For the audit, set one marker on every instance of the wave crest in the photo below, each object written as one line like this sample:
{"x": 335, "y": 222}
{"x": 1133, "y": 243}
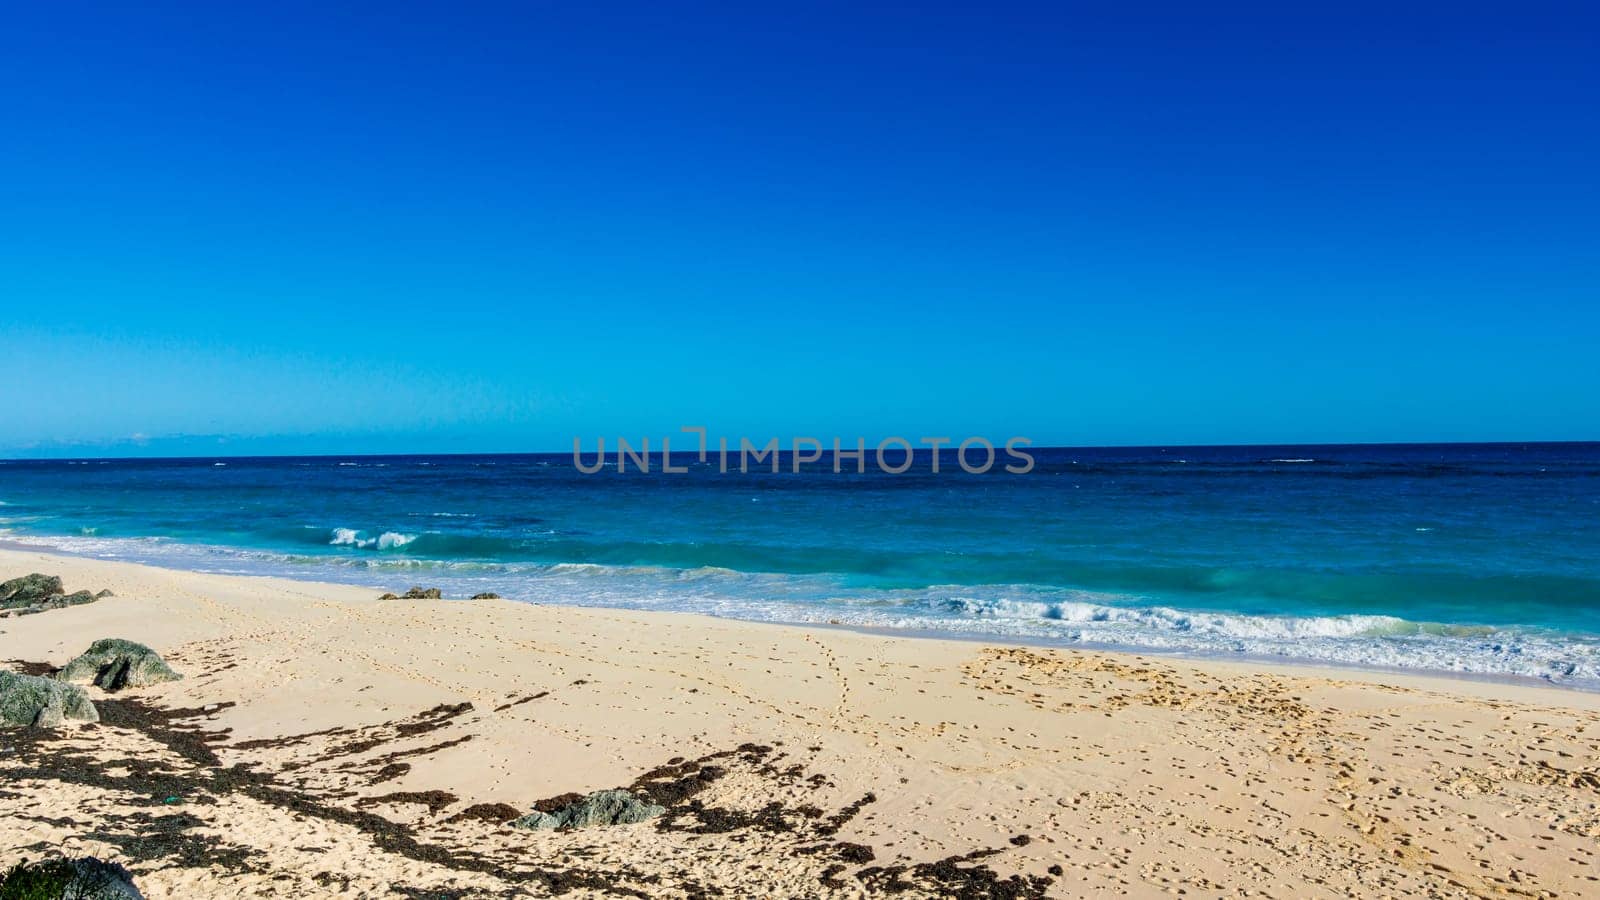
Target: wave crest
{"x": 350, "y": 537}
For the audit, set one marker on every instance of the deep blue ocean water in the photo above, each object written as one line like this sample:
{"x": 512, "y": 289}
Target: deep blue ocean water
{"x": 1464, "y": 558}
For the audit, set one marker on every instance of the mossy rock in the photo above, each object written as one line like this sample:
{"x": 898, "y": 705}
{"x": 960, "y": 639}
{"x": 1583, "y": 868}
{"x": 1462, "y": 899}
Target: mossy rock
{"x": 599, "y": 808}
{"x": 32, "y": 701}
{"x": 30, "y": 589}
{"x": 76, "y": 598}
{"x": 38, "y": 593}
{"x": 113, "y": 664}
{"x": 416, "y": 593}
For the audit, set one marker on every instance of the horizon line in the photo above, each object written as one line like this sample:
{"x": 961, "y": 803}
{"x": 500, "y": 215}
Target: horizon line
{"x": 919, "y": 451}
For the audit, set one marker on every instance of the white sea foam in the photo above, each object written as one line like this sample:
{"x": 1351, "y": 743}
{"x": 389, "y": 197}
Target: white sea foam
{"x": 392, "y": 539}
{"x": 1181, "y": 621}
{"x": 1024, "y": 612}
{"x": 350, "y": 537}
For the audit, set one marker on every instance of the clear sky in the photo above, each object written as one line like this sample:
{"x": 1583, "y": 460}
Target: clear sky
{"x": 279, "y": 227}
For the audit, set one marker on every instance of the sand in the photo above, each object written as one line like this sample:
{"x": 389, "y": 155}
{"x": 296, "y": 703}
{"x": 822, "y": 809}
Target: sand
{"x": 326, "y": 743}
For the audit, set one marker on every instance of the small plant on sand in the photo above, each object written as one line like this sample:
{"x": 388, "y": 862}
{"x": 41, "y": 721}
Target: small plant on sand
{"x": 55, "y": 879}
{"x": 38, "y": 881}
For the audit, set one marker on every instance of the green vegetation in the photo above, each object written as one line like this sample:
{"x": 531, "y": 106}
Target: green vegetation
{"x": 59, "y": 879}
{"x": 38, "y": 881}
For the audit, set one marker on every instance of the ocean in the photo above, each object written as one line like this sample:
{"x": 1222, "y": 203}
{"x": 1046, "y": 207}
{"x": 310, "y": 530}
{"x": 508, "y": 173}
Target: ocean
{"x": 1481, "y": 559}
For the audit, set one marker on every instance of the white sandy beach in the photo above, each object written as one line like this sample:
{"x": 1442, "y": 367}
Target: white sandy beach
{"x": 325, "y": 743}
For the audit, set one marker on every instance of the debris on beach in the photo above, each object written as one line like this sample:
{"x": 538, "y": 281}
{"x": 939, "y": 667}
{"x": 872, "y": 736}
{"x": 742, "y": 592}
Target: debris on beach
{"x": 613, "y": 807}
{"x": 38, "y": 593}
{"x": 34, "y": 701}
{"x": 113, "y": 664}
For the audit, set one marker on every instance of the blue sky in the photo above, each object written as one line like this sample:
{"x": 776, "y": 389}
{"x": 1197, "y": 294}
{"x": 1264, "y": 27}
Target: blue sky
{"x": 280, "y": 228}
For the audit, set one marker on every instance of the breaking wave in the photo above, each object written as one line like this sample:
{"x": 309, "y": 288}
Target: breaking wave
{"x": 350, "y": 537}
{"x": 1031, "y": 613}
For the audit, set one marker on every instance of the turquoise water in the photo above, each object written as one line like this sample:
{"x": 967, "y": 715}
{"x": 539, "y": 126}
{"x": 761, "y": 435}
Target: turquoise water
{"x": 1464, "y": 558}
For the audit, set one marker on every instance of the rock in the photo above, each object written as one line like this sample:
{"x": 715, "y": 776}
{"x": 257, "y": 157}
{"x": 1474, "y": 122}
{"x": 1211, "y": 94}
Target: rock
{"x": 487, "y": 595}
{"x": 57, "y": 602}
{"x": 80, "y": 879}
{"x": 114, "y": 664}
{"x": 30, "y": 589}
{"x": 416, "y": 593}
{"x": 101, "y": 880}
{"x": 30, "y": 700}
{"x": 598, "y": 808}
{"x": 38, "y": 593}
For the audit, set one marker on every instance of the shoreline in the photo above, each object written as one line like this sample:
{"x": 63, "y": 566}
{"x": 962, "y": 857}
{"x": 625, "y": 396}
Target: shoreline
{"x": 1327, "y": 667}
{"x": 385, "y": 745}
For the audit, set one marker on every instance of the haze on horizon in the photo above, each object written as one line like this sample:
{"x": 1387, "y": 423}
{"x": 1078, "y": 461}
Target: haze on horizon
{"x": 285, "y": 229}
